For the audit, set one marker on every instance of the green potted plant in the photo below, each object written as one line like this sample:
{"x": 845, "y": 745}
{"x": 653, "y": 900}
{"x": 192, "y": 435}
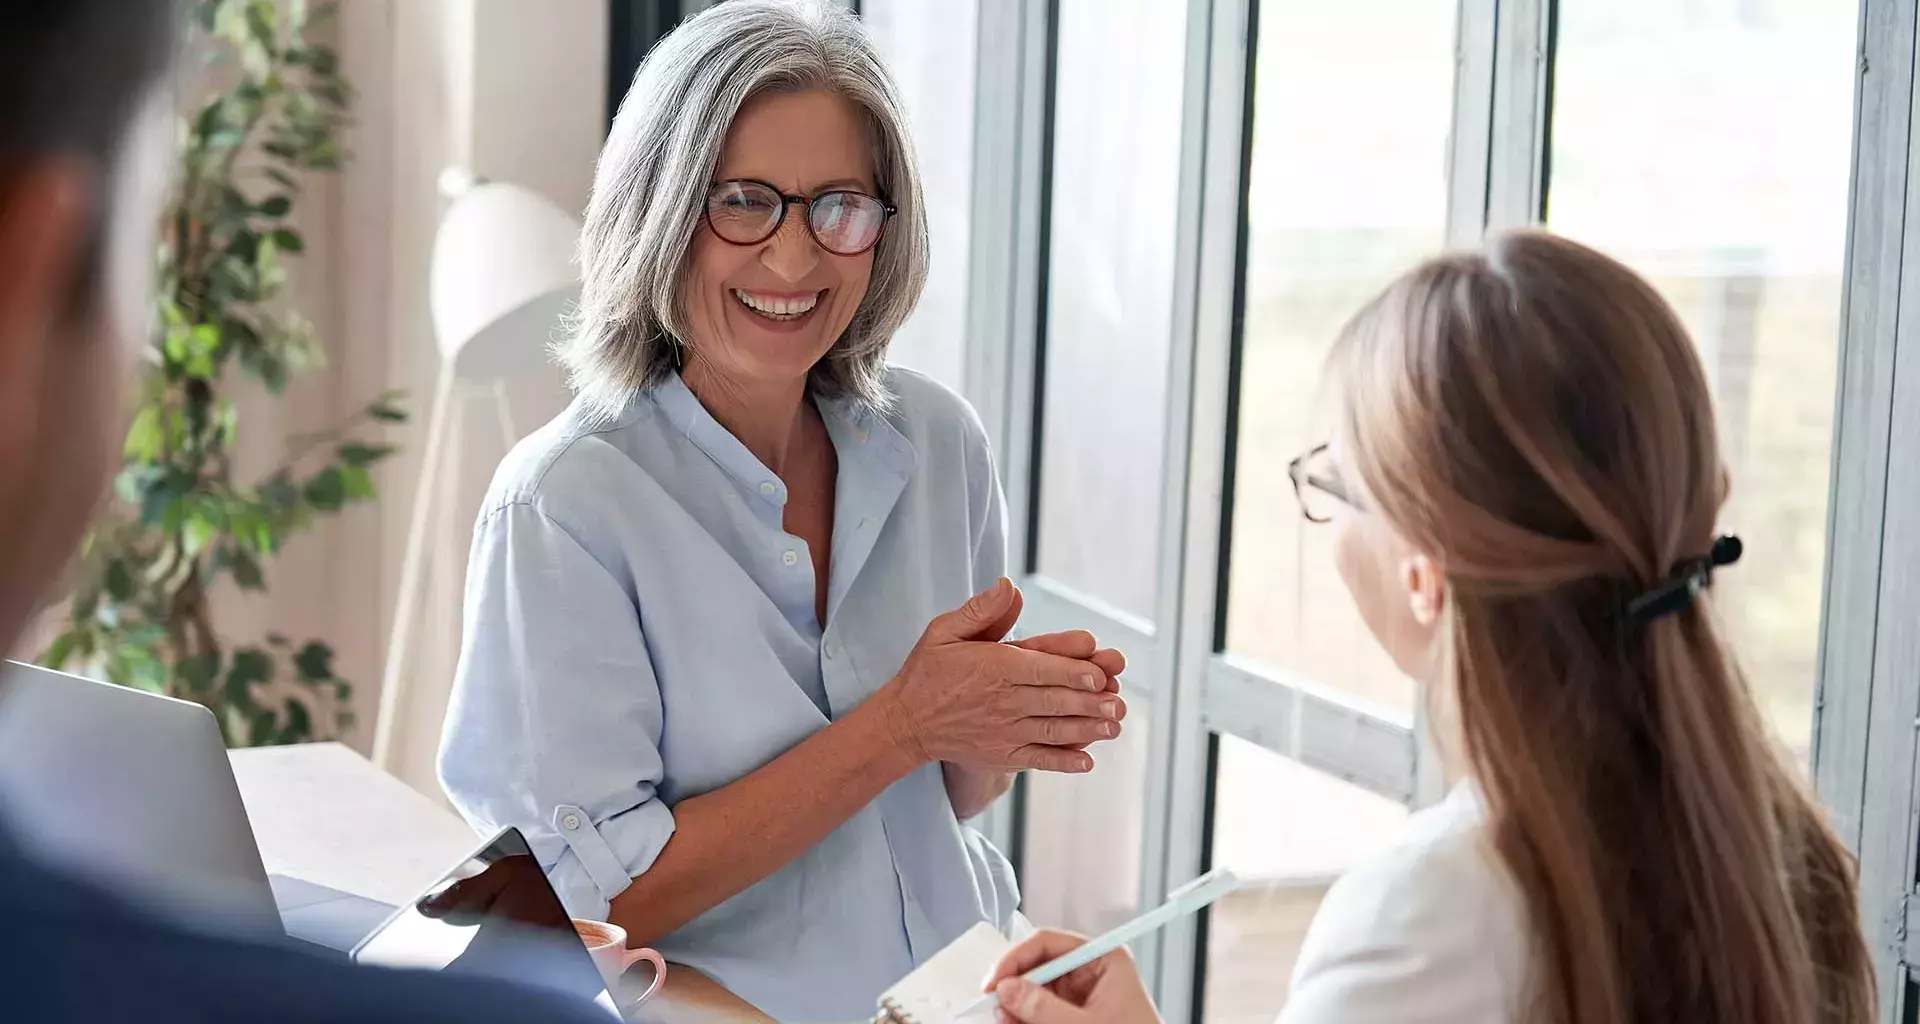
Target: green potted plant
{"x": 184, "y": 519}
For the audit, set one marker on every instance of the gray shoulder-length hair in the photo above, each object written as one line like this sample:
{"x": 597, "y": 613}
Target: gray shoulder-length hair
{"x": 650, "y": 190}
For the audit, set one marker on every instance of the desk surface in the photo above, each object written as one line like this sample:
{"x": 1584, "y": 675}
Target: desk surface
{"x": 322, "y": 813}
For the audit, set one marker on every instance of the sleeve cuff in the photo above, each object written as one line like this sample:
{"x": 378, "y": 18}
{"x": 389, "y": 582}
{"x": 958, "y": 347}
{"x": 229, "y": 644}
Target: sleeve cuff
{"x": 606, "y": 856}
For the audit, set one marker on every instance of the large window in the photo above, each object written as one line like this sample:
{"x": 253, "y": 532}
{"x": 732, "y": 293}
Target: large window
{"x": 1707, "y": 145}
{"x": 1346, "y": 188}
{"x": 1109, "y": 314}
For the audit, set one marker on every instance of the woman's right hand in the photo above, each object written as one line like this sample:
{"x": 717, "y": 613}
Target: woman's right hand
{"x": 1106, "y": 991}
{"x": 984, "y": 704}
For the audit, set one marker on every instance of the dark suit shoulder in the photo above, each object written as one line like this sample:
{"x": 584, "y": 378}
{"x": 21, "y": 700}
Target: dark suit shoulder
{"x": 70, "y": 951}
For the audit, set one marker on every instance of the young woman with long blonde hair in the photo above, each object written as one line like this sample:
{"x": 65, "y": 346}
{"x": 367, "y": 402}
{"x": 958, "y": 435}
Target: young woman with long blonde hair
{"x": 1523, "y": 484}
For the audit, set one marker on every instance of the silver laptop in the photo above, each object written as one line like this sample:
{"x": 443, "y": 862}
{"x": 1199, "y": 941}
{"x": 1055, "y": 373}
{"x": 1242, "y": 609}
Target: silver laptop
{"x": 135, "y": 790}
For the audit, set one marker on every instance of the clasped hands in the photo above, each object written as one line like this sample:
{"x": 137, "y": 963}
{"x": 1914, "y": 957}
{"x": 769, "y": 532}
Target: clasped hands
{"x": 968, "y": 697}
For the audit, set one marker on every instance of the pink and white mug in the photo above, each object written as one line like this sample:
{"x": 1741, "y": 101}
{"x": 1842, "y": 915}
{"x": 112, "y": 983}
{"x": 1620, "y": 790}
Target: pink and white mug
{"x": 608, "y": 945}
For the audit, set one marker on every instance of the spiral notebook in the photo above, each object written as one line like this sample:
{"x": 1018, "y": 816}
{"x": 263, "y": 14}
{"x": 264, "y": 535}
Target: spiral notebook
{"x": 949, "y": 982}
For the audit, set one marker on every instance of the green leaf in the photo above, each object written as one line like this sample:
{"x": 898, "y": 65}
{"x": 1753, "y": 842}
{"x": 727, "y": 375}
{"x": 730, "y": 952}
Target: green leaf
{"x": 144, "y": 436}
{"x": 211, "y": 120}
{"x": 324, "y": 156}
{"x": 315, "y": 662}
{"x": 276, "y": 206}
{"x": 251, "y": 667}
{"x": 144, "y": 637}
{"x": 174, "y": 345}
{"x": 198, "y": 673}
{"x": 260, "y": 22}
{"x": 289, "y": 240}
{"x": 199, "y": 533}
{"x": 261, "y": 730}
{"x": 146, "y": 675}
{"x": 160, "y": 496}
{"x": 357, "y": 483}
{"x": 327, "y": 491}
{"x": 202, "y": 345}
{"x": 129, "y": 482}
{"x": 286, "y": 181}
{"x": 334, "y": 92}
{"x": 272, "y": 373}
{"x": 61, "y": 649}
{"x": 277, "y": 639}
{"x": 244, "y": 245}
{"x": 246, "y": 570}
{"x": 119, "y": 580}
{"x": 227, "y": 421}
{"x": 364, "y": 454}
{"x": 256, "y": 58}
{"x": 387, "y": 412}
{"x": 322, "y": 60}
{"x": 299, "y": 723}
{"x": 343, "y": 691}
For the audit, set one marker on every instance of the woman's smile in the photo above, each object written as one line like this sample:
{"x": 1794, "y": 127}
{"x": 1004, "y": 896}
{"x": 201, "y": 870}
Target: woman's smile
{"x": 779, "y": 310}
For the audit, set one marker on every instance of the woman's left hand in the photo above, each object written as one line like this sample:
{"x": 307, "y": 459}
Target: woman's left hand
{"x": 1078, "y": 643}
{"x": 973, "y": 790}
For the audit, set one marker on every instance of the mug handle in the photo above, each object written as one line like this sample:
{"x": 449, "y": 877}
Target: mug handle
{"x": 634, "y": 956}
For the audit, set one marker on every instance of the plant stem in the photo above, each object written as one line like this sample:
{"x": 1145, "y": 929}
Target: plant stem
{"x": 306, "y": 444}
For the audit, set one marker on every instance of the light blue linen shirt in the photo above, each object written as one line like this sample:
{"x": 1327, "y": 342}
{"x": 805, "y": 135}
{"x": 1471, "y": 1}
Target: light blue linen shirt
{"x": 640, "y": 629}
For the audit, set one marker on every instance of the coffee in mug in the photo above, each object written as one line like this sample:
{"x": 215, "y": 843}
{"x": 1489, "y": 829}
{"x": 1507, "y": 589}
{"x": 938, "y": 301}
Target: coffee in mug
{"x": 608, "y": 945}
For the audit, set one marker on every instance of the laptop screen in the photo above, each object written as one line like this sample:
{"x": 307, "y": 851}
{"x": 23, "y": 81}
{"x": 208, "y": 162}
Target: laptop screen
{"x": 495, "y": 915}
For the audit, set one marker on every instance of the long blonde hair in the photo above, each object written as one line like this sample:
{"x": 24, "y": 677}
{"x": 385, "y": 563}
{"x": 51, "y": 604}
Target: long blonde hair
{"x": 1534, "y": 417}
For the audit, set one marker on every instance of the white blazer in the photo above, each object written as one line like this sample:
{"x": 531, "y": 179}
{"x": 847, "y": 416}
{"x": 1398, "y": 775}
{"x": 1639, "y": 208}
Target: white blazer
{"x": 1433, "y": 929}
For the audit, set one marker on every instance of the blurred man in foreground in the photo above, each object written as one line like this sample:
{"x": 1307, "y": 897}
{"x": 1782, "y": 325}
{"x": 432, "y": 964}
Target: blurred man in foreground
{"x": 85, "y": 131}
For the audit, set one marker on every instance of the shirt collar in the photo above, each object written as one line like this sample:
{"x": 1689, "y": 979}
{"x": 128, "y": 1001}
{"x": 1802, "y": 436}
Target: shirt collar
{"x": 862, "y": 440}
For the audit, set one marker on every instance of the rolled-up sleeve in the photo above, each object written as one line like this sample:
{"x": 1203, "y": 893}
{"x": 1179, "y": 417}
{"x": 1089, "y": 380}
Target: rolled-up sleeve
{"x": 555, "y": 719}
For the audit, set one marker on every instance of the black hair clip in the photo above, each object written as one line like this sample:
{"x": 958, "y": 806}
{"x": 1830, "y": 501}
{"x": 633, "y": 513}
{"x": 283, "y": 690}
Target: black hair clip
{"x": 1688, "y": 579}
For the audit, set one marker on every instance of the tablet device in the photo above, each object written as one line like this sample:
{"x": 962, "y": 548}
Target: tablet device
{"x": 492, "y": 914}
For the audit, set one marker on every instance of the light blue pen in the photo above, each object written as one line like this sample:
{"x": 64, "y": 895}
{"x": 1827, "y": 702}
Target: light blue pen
{"x": 1181, "y": 902}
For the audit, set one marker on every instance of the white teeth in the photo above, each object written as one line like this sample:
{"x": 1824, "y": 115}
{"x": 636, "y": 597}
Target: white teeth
{"x": 777, "y": 308}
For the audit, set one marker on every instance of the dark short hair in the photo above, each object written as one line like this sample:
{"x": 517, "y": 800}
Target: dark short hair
{"x": 72, "y": 74}
{"x": 73, "y": 71}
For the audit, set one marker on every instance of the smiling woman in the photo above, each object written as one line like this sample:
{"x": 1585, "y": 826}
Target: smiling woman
{"x": 710, "y": 668}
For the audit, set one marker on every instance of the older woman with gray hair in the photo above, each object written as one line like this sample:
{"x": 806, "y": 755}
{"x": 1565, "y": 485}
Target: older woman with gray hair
{"x": 733, "y": 656}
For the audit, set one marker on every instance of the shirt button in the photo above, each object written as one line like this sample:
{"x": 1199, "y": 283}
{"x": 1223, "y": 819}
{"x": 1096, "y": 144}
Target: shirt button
{"x": 769, "y": 488}
{"x": 790, "y": 557}
{"x": 570, "y": 822}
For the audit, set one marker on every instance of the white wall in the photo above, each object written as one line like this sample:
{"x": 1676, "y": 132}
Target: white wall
{"x": 513, "y": 90}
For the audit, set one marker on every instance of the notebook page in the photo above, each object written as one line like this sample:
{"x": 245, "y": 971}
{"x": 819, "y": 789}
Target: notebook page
{"x": 949, "y": 981}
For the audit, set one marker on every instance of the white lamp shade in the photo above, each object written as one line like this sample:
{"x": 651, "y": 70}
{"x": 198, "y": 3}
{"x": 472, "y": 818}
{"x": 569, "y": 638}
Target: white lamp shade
{"x": 503, "y": 275}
